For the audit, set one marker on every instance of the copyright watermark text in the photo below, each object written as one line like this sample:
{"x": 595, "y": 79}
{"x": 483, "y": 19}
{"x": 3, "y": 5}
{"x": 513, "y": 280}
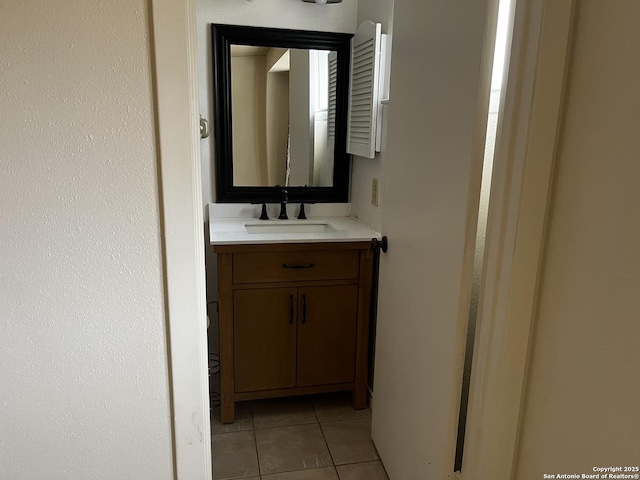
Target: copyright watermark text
{"x": 599, "y": 473}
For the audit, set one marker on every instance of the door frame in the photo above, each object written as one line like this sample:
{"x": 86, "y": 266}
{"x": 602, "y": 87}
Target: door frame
{"x": 531, "y": 111}
{"x": 523, "y": 169}
{"x": 173, "y": 60}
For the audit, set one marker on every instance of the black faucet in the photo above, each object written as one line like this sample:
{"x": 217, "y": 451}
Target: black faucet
{"x": 283, "y": 205}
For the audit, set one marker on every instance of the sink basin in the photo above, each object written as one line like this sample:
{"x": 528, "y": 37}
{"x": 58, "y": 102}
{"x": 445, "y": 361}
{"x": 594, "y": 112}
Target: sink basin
{"x": 285, "y": 227}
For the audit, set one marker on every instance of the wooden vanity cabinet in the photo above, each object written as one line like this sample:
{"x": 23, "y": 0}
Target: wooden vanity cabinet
{"x": 294, "y": 319}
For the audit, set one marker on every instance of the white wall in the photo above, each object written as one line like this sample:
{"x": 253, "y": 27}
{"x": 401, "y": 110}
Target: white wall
{"x": 582, "y": 397}
{"x": 83, "y": 383}
{"x": 300, "y": 119}
{"x": 428, "y": 214}
{"x": 249, "y": 95}
{"x": 364, "y": 170}
{"x": 293, "y": 14}
{"x": 277, "y": 125}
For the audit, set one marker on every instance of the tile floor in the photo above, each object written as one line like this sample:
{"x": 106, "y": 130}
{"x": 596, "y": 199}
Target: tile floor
{"x": 301, "y": 438}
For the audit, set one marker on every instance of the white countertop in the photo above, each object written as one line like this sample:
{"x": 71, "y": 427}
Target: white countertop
{"x": 232, "y": 230}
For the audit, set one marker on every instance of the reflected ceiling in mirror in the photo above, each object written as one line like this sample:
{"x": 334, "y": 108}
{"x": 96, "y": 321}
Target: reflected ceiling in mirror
{"x": 280, "y": 102}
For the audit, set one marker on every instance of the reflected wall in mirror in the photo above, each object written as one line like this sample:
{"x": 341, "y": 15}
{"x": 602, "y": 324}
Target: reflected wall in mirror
{"x": 281, "y": 103}
{"x": 280, "y": 114}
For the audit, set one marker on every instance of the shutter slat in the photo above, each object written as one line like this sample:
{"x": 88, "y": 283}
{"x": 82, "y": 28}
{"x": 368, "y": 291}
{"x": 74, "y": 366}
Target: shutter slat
{"x": 333, "y": 84}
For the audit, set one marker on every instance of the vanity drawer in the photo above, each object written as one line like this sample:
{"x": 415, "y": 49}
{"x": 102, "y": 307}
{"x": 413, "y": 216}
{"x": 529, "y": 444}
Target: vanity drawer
{"x": 262, "y": 267}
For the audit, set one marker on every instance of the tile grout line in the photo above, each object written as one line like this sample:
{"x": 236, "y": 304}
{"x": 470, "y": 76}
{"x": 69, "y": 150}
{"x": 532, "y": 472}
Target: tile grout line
{"x": 255, "y": 442}
{"x": 286, "y": 425}
{"x": 333, "y": 463}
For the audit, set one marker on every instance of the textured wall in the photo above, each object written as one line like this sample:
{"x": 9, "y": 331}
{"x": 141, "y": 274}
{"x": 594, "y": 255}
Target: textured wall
{"x": 583, "y": 394}
{"x": 83, "y": 376}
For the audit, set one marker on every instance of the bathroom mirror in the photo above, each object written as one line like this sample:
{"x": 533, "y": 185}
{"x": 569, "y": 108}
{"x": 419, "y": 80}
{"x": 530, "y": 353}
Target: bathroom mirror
{"x": 280, "y": 105}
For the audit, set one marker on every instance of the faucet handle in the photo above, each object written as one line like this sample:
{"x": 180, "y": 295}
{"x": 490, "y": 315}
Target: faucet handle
{"x": 301, "y": 215}
{"x": 263, "y": 214}
{"x": 283, "y": 206}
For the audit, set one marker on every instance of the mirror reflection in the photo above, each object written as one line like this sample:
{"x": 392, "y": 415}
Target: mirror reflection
{"x": 283, "y": 119}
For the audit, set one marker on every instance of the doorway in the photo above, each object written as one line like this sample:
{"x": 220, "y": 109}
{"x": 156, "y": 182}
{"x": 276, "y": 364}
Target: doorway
{"x": 176, "y": 97}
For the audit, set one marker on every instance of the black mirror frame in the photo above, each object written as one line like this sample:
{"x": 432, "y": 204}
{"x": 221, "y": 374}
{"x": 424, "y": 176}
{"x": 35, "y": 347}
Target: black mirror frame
{"x": 225, "y": 35}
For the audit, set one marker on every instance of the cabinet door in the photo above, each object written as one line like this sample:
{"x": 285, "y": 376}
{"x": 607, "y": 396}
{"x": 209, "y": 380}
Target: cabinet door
{"x": 327, "y": 321}
{"x": 264, "y": 339}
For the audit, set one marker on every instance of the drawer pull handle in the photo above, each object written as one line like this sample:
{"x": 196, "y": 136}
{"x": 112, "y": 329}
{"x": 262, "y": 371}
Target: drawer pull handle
{"x": 304, "y": 309}
{"x": 309, "y": 265}
{"x": 290, "y": 309}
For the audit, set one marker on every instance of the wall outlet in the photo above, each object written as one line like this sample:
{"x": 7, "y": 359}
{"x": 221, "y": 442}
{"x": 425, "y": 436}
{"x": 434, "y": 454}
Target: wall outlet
{"x": 374, "y": 192}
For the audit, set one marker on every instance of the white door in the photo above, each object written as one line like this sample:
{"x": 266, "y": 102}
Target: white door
{"x": 432, "y": 169}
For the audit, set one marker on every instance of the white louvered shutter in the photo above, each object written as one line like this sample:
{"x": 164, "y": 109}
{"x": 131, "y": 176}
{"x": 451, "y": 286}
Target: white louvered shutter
{"x": 364, "y": 90}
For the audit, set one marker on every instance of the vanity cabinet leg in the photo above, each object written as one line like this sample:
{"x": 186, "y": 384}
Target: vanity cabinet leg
{"x": 227, "y": 409}
{"x": 360, "y": 389}
{"x": 360, "y": 397}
